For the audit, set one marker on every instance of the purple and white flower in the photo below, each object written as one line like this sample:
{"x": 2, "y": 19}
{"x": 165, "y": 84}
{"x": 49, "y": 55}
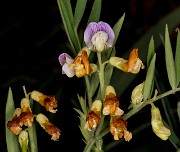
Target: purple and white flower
{"x": 99, "y": 36}
{"x": 65, "y": 60}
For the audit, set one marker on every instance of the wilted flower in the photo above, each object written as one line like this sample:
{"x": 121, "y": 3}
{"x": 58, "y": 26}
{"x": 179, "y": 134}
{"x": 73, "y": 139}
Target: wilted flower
{"x": 132, "y": 65}
{"x": 157, "y": 124}
{"x": 81, "y": 64}
{"x": 118, "y": 128}
{"x": 65, "y": 60}
{"x": 111, "y": 103}
{"x": 15, "y": 124}
{"x": 22, "y": 116}
{"x": 48, "y": 126}
{"x": 93, "y": 117}
{"x": 26, "y": 115}
{"x": 49, "y": 102}
{"x": 99, "y": 36}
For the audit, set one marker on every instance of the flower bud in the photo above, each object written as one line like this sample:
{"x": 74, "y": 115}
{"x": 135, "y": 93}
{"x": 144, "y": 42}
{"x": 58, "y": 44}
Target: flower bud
{"x": 97, "y": 104}
{"x": 137, "y": 95}
{"x": 157, "y": 125}
{"x": 23, "y": 138}
{"x": 110, "y": 92}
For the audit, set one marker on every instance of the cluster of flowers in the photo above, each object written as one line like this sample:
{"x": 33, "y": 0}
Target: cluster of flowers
{"x": 23, "y": 116}
{"x": 99, "y": 37}
{"x": 118, "y": 126}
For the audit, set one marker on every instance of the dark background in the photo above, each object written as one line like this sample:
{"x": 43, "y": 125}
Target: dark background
{"x": 31, "y": 39}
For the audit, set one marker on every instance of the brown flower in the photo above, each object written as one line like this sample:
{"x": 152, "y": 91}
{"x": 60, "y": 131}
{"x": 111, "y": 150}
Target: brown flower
{"x": 15, "y": 124}
{"x": 26, "y": 117}
{"x": 92, "y": 120}
{"x": 111, "y": 103}
{"x": 49, "y": 102}
{"x": 132, "y": 65}
{"x": 118, "y": 128}
{"x": 48, "y": 126}
{"x": 81, "y": 64}
{"x": 93, "y": 117}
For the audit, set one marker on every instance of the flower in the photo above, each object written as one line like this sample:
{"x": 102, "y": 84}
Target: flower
{"x": 118, "y": 128}
{"x": 15, "y": 124}
{"x": 99, "y": 36}
{"x": 157, "y": 124}
{"x": 48, "y": 126}
{"x": 49, "y": 102}
{"x": 26, "y": 115}
{"x": 132, "y": 65}
{"x": 93, "y": 117}
{"x": 81, "y": 65}
{"x": 22, "y": 116}
{"x": 111, "y": 103}
{"x": 65, "y": 60}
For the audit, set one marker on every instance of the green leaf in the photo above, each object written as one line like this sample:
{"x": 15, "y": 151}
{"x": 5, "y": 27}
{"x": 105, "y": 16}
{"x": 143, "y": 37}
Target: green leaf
{"x": 117, "y": 27}
{"x": 79, "y": 11}
{"x": 33, "y": 138}
{"x": 80, "y": 113}
{"x": 66, "y": 15}
{"x": 173, "y": 137}
{"x": 82, "y": 102}
{"x": 170, "y": 66}
{"x": 150, "y": 51}
{"x": 11, "y": 139}
{"x": 148, "y": 84}
{"x": 177, "y": 59}
{"x": 67, "y": 4}
{"x": 95, "y": 11}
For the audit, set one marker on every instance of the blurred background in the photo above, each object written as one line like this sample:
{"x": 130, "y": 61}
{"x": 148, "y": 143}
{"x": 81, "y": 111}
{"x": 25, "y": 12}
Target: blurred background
{"x": 31, "y": 38}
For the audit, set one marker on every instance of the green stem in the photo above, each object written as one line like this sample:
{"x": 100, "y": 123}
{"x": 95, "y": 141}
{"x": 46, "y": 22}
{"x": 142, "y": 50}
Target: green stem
{"x": 135, "y": 110}
{"x": 24, "y": 146}
{"x": 101, "y": 75}
{"x": 101, "y": 80}
{"x": 89, "y": 145}
{"x": 88, "y": 92}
